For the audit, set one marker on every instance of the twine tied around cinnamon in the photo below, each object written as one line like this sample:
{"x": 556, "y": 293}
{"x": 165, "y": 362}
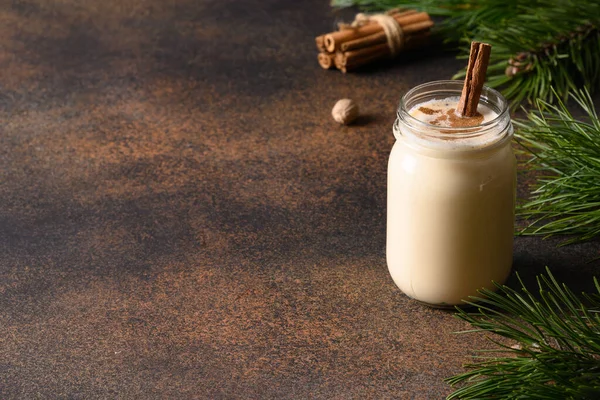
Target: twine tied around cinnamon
{"x": 392, "y": 29}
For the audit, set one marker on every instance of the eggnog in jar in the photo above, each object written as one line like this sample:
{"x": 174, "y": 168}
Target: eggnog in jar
{"x": 451, "y": 195}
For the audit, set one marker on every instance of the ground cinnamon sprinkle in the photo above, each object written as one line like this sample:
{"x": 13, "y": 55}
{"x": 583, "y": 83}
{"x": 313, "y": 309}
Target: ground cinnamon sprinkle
{"x": 457, "y": 121}
{"x": 429, "y": 111}
{"x": 442, "y": 113}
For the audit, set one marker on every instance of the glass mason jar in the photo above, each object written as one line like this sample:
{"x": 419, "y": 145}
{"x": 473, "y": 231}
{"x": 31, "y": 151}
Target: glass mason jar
{"x": 451, "y": 201}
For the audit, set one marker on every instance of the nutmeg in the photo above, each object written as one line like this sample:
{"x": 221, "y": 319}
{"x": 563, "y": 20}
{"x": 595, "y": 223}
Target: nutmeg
{"x": 345, "y": 111}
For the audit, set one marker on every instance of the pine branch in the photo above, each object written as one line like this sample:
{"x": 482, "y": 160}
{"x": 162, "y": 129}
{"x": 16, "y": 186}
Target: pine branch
{"x": 557, "y": 355}
{"x": 565, "y": 196}
{"x": 536, "y": 44}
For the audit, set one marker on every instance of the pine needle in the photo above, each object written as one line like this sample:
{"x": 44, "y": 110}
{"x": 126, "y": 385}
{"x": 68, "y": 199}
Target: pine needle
{"x": 557, "y": 350}
{"x": 566, "y": 198}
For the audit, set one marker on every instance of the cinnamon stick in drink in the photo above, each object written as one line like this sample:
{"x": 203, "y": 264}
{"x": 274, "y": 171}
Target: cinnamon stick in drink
{"x": 479, "y": 58}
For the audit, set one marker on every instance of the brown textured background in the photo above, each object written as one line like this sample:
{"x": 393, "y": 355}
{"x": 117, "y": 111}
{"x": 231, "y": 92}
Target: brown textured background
{"x": 181, "y": 218}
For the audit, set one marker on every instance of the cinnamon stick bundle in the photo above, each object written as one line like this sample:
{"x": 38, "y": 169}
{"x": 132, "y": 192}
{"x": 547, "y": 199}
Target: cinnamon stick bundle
{"x": 334, "y": 40}
{"x": 354, "y": 46}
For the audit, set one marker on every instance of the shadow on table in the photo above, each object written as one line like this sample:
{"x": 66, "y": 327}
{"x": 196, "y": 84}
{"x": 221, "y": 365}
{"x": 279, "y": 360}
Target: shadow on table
{"x": 574, "y": 265}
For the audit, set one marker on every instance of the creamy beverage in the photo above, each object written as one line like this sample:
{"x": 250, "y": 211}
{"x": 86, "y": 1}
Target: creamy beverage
{"x": 451, "y": 197}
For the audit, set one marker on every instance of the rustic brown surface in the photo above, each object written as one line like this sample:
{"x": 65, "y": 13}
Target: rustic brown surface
{"x": 181, "y": 218}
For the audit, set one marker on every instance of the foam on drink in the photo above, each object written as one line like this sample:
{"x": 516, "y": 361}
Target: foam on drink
{"x": 441, "y": 120}
{"x": 442, "y": 113}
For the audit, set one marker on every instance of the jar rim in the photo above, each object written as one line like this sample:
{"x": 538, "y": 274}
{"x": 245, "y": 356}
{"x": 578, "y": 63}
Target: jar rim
{"x": 453, "y": 87}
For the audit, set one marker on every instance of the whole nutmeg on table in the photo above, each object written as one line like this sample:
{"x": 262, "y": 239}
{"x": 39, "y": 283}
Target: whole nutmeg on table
{"x": 345, "y": 111}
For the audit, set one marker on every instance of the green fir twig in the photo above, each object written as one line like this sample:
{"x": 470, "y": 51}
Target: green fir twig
{"x": 565, "y": 153}
{"x": 536, "y": 44}
{"x": 556, "y": 350}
